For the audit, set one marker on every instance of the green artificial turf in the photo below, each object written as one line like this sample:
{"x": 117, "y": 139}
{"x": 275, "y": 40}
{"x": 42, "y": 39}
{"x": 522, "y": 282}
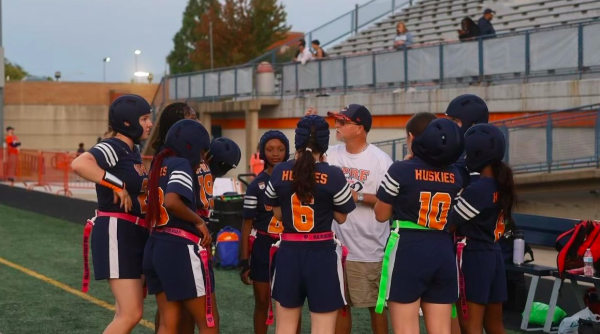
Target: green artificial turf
{"x": 52, "y": 247}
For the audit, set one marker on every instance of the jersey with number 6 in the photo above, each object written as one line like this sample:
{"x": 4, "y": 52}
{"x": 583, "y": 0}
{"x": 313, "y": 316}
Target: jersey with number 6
{"x": 176, "y": 177}
{"x": 478, "y": 216}
{"x": 420, "y": 193}
{"x": 255, "y": 208}
{"x": 331, "y": 193}
{"x": 204, "y": 195}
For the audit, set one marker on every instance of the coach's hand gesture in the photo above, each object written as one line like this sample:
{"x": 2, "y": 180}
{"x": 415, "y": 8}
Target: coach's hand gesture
{"x": 123, "y": 197}
{"x": 311, "y": 111}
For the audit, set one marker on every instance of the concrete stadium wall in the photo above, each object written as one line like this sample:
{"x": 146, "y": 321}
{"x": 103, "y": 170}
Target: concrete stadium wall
{"x": 60, "y": 115}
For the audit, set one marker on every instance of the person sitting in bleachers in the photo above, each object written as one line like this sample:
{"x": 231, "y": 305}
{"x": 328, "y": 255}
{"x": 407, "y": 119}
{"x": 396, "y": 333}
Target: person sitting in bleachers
{"x": 403, "y": 38}
{"x": 468, "y": 30}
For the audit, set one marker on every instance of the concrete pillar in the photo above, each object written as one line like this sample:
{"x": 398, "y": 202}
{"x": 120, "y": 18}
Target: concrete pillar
{"x": 251, "y": 133}
{"x": 205, "y": 119}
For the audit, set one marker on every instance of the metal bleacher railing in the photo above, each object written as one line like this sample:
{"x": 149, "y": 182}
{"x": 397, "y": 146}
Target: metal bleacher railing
{"x": 565, "y": 50}
{"x": 542, "y": 142}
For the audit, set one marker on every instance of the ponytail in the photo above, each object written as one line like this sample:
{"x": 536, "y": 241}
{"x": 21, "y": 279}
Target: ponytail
{"x": 303, "y": 172}
{"x": 506, "y": 192}
{"x": 153, "y": 209}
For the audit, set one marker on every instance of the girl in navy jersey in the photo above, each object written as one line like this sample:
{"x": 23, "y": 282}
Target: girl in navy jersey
{"x": 176, "y": 259}
{"x": 261, "y": 230}
{"x": 419, "y": 268}
{"x": 173, "y": 113}
{"x": 115, "y": 165}
{"x": 480, "y": 217}
{"x": 307, "y": 194}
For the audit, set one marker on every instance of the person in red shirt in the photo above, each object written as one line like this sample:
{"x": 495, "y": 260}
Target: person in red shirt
{"x": 12, "y": 149}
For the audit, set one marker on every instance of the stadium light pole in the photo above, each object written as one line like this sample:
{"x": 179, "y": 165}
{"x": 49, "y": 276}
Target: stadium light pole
{"x": 104, "y": 61}
{"x": 135, "y": 57}
{"x": 211, "y": 45}
{"x": 2, "y": 76}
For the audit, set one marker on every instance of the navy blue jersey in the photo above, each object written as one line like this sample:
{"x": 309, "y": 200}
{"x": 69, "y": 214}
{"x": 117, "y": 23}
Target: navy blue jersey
{"x": 477, "y": 214}
{"x": 114, "y": 156}
{"x": 204, "y": 195}
{"x": 176, "y": 177}
{"x": 331, "y": 193}
{"x": 420, "y": 193}
{"x": 255, "y": 208}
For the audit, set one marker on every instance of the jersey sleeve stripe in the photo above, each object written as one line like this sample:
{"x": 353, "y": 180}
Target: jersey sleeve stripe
{"x": 462, "y": 200}
{"x": 459, "y": 211}
{"x": 270, "y": 191}
{"x": 110, "y": 151}
{"x": 461, "y": 208}
{"x": 342, "y": 192}
{"x": 390, "y": 188}
{"x": 250, "y": 207}
{"x": 183, "y": 174}
{"x": 249, "y": 197}
{"x": 393, "y": 182}
{"x": 250, "y": 202}
{"x": 182, "y": 183}
{"x": 344, "y": 199}
{"x": 109, "y": 154}
{"x": 182, "y": 179}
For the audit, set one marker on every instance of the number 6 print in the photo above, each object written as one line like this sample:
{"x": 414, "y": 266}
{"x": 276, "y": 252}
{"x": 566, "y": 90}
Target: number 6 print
{"x": 303, "y": 215}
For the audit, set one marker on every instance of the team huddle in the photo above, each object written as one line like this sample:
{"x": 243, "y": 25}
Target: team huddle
{"x": 441, "y": 212}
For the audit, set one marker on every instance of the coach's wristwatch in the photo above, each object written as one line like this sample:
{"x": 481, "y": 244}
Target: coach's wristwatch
{"x": 360, "y": 198}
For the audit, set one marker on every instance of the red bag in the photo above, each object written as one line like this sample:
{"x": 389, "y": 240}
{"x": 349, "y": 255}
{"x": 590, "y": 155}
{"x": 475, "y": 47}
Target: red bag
{"x": 572, "y": 244}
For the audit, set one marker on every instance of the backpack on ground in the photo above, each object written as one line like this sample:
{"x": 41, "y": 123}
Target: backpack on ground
{"x": 228, "y": 247}
{"x": 572, "y": 244}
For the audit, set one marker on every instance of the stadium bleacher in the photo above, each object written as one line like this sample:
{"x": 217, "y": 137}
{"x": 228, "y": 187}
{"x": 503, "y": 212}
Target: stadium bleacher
{"x": 433, "y": 21}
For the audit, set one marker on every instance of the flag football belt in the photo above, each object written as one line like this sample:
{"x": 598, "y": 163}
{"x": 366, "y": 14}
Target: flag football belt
{"x": 390, "y": 249}
{"x": 460, "y": 246}
{"x": 210, "y": 320}
{"x": 302, "y": 237}
{"x": 85, "y": 284}
{"x": 254, "y": 234}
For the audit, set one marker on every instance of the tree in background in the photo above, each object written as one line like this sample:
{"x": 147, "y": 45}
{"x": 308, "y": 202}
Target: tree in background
{"x": 14, "y": 71}
{"x": 241, "y": 29}
{"x": 180, "y": 58}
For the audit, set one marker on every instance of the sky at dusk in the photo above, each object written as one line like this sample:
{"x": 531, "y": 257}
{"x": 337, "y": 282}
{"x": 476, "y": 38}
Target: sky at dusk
{"x": 73, "y": 36}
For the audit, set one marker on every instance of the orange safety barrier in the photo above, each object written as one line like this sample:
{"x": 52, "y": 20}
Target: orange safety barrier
{"x": 46, "y": 169}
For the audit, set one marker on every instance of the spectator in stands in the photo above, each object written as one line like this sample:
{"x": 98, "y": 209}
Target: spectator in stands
{"x": 468, "y": 30}
{"x": 304, "y": 54}
{"x": 12, "y": 150}
{"x": 80, "y": 150}
{"x": 319, "y": 52}
{"x": 486, "y": 29}
{"x": 403, "y": 38}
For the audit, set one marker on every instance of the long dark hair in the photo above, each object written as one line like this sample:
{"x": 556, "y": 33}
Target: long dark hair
{"x": 507, "y": 194}
{"x": 171, "y": 114}
{"x": 153, "y": 210}
{"x": 303, "y": 172}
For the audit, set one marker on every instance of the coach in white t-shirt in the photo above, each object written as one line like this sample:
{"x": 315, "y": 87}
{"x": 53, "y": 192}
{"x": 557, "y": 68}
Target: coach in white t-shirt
{"x": 364, "y": 166}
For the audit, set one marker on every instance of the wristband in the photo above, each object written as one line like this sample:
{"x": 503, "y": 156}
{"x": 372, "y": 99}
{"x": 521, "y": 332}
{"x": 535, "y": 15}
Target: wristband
{"x": 112, "y": 182}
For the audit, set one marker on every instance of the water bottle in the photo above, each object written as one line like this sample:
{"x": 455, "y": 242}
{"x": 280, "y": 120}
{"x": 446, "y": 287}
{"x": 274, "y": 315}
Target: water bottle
{"x": 519, "y": 248}
{"x": 588, "y": 264}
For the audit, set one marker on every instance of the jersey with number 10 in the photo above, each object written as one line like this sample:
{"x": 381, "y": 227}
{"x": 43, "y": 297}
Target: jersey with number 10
{"x": 331, "y": 193}
{"x": 420, "y": 193}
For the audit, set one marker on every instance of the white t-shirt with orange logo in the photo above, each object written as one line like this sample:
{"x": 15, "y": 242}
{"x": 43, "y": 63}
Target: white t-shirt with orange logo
{"x": 364, "y": 236}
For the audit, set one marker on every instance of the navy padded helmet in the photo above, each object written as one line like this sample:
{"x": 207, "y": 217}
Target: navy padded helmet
{"x": 469, "y": 109}
{"x": 441, "y": 144}
{"x": 128, "y": 109}
{"x": 224, "y": 155}
{"x": 188, "y": 138}
{"x": 273, "y": 134}
{"x": 484, "y": 144}
{"x": 303, "y": 129}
